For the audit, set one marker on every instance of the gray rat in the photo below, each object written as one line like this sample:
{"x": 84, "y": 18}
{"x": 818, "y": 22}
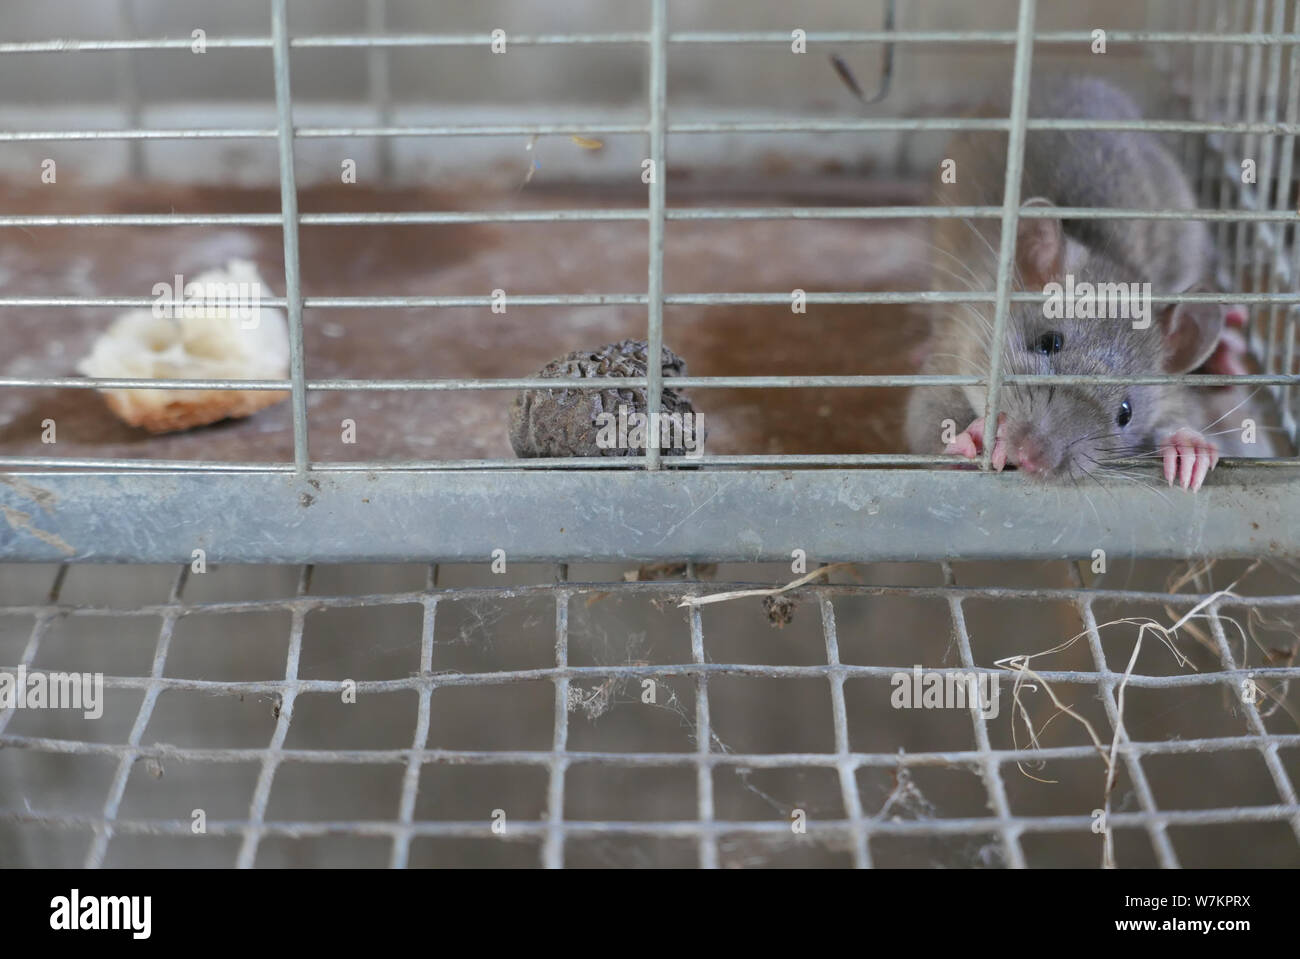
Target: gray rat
{"x": 1074, "y": 431}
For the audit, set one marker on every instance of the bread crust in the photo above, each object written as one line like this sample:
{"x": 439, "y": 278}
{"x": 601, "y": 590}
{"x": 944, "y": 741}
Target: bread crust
{"x": 210, "y": 338}
{"x": 174, "y": 410}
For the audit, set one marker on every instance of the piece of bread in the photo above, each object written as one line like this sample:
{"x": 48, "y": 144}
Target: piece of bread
{"x": 198, "y": 339}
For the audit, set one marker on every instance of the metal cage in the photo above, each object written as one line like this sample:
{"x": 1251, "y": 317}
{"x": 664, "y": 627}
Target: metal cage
{"x": 924, "y": 535}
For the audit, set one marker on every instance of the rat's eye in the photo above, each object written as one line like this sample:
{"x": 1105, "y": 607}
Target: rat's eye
{"x": 1050, "y": 342}
{"x": 1125, "y": 414}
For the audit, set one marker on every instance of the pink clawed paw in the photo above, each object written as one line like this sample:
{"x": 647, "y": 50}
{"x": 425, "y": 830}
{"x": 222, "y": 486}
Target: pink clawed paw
{"x": 1188, "y": 456}
{"x": 970, "y": 442}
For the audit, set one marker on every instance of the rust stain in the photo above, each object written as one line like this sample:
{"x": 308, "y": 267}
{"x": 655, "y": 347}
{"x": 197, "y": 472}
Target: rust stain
{"x": 42, "y": 497}
{"x": 22, "y": 522}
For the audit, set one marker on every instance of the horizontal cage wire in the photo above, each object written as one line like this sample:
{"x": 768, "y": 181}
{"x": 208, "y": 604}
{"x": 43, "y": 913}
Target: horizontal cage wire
{"x": 612, "y": 703}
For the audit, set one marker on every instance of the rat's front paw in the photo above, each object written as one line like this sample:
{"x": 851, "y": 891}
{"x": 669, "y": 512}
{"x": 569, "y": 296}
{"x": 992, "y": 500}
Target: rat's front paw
{"x": 970, "y": 442}
{"x": 1189, "y": 456}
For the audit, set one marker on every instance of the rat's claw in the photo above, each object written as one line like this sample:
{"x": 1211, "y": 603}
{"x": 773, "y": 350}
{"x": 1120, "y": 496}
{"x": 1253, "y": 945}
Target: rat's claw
{"x": 1202, "y": 467}
{"x": 970, "y": 442}
{"x": 999, "y": 459}
{"x": 1189, "y": 455}
{"x": 1236, "y": 315}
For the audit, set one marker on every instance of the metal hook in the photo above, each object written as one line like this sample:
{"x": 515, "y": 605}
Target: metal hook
{"x": 886, "y": 65}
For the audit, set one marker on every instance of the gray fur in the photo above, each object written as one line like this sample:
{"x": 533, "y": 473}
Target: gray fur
{"x": 1115, "y": 169}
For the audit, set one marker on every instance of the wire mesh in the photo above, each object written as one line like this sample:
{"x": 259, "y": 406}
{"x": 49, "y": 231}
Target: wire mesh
{"x": 708, "y": 781}
{"x": 141, "y": 762}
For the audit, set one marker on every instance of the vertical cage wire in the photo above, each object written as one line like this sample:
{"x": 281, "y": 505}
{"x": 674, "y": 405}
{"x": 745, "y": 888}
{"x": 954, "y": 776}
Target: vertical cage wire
{"x": 1285, "y": 200}
{"x": 379, "y": 75}
{"x": 990, "y": 770}
{"x": 411, "y": 778}
{"x": 658, "y": 93}
{"x": 1023, "y": 63}
{"x": 289, "y": 210}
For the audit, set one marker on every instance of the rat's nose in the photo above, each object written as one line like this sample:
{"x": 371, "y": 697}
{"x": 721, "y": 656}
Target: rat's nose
{"x": 1033, "y": 457}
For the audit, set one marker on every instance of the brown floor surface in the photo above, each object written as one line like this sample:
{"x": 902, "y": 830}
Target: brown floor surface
{"x": 473, "y": 260}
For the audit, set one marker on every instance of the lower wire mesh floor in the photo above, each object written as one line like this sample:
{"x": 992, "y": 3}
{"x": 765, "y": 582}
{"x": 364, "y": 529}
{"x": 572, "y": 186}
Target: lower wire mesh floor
{"x": 577, "y": 715}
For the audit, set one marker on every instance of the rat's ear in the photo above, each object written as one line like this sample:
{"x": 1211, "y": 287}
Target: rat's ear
{"x": 1191, "y": 332}
{"x": 1040, "y": 247}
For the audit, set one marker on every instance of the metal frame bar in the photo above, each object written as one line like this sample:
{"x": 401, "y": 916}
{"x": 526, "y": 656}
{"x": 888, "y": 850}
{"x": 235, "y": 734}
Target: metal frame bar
{"x": 746, "y": 515}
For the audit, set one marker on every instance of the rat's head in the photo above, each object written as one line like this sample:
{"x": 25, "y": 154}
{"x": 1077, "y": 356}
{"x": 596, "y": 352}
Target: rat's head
{"x": 1099, "y": 320}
